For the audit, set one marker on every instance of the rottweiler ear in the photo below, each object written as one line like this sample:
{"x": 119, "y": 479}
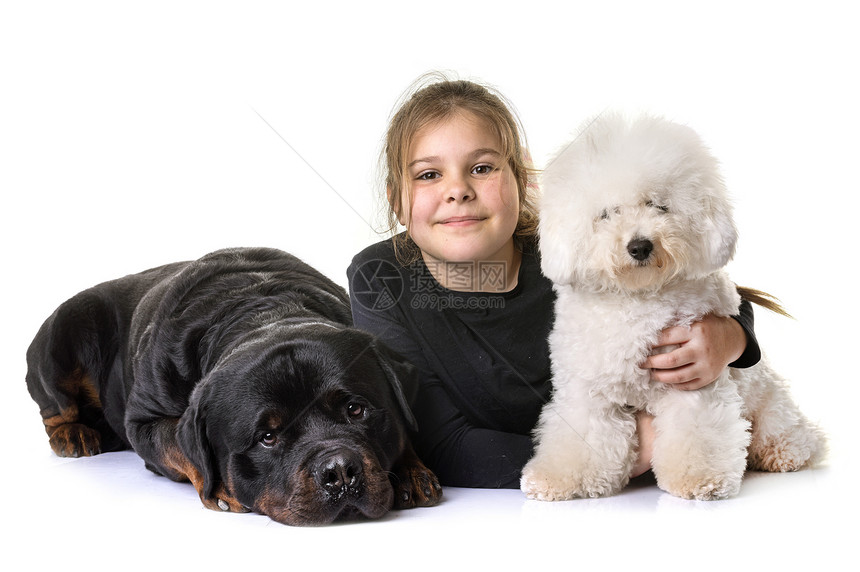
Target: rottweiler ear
{"x": 192, "y": 438}
{"x": 402, "y": 378}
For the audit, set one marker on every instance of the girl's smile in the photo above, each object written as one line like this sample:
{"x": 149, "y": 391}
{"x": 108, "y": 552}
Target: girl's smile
{"x": 462, "y": 220}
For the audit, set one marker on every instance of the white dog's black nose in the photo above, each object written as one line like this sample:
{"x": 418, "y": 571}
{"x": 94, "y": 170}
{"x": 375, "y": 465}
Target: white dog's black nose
{"x": 640, "y": 248}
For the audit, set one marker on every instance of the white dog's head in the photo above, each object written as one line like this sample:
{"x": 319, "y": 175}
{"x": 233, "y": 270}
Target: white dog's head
{"x": 631, "y": 204}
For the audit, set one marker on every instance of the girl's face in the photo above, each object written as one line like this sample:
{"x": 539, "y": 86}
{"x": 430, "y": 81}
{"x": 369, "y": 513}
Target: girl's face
{"x": 464, "y": 201}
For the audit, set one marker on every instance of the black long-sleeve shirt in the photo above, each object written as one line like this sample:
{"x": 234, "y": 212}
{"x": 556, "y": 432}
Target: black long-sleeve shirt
{"x": 483, "y": 359}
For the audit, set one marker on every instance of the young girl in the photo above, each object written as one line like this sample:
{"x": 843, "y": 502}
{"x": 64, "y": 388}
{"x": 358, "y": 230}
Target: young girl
{"x": 460, "y": 294}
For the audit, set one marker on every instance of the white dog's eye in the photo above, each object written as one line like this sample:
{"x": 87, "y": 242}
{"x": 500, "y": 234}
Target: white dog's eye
{"x": 661, "y": 208}
{"x": 604, "y": 214}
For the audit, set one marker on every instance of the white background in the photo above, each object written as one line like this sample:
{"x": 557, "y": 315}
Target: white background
{"x": 133, "y": 135}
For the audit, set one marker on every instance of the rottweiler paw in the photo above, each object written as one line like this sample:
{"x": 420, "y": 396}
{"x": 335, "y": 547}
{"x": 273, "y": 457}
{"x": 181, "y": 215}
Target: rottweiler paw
{"x": 415, "y": 485}
{"x": 223, "y": 501}
{"x": 75, "y": 440}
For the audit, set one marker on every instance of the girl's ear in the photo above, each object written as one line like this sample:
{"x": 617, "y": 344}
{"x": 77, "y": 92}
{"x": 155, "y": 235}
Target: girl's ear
{"x": 397, "y": 205}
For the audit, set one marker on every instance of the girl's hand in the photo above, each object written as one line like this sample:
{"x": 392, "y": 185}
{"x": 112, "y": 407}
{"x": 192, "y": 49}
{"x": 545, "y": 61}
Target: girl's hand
{"x": 706, "y": 348}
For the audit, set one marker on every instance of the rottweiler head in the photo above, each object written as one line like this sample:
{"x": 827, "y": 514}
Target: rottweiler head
{"x": 302, "y": 426}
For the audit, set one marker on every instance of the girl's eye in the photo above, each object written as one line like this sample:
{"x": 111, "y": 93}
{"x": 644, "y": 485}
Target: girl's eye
{"x": 483, "y": 169}
{"x": 427, "y": 176}
{"x": 354, "y": 410}
{"x": 268, "y": 440}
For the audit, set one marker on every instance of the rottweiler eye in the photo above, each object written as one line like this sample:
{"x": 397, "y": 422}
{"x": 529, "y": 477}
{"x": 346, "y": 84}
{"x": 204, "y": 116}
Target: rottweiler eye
{"x": 268, "y": 440}
{"x": 354, "y": 410}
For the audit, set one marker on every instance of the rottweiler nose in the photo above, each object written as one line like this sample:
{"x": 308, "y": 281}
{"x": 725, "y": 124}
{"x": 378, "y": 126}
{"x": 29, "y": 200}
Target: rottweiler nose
{"x": 340, "y": 473}
{"x": 640, "y": 248}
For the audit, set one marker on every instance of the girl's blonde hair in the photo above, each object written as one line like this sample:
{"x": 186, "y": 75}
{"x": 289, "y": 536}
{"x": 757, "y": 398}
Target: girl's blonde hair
{"x": 435, "y": 97}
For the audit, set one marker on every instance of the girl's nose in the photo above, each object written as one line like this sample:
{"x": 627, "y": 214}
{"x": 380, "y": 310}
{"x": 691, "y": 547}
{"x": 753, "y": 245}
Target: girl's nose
{"x": 459, "y": 190}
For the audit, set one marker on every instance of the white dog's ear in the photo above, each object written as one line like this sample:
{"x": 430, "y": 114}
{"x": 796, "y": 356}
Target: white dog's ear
{"x": 720, "y": 235}
{"x": 564, "y": 228}
{"x": 556, "y": 251}
{"x": 561, "y": 209}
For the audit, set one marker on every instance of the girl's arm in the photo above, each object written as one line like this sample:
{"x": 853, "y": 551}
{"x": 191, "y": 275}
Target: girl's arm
{"x": 706, "y": 348}
{"x": 459, "y": 453}
{"x": 463, "y": 455}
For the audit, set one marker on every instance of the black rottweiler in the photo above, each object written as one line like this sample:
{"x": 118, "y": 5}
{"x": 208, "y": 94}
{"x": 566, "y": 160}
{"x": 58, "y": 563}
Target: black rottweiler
{"x": 241, "y": 373}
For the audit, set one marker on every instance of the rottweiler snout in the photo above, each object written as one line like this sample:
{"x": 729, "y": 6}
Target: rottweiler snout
{"x": 340, "y": 473}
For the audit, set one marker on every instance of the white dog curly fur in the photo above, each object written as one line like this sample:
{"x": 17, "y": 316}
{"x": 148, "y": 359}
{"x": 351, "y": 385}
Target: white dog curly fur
{"x": 635, "y": 230}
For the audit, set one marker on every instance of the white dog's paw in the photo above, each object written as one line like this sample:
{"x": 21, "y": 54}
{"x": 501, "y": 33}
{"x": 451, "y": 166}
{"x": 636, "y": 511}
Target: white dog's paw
{"x": 799, "y": 447}
{"x": 542, "y": 486}
{"x": 554, "y": 485}
{"x": 701, "y": 485}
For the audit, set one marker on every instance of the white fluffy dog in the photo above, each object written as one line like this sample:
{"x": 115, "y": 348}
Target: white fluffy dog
{"x": 635, "y": 230}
